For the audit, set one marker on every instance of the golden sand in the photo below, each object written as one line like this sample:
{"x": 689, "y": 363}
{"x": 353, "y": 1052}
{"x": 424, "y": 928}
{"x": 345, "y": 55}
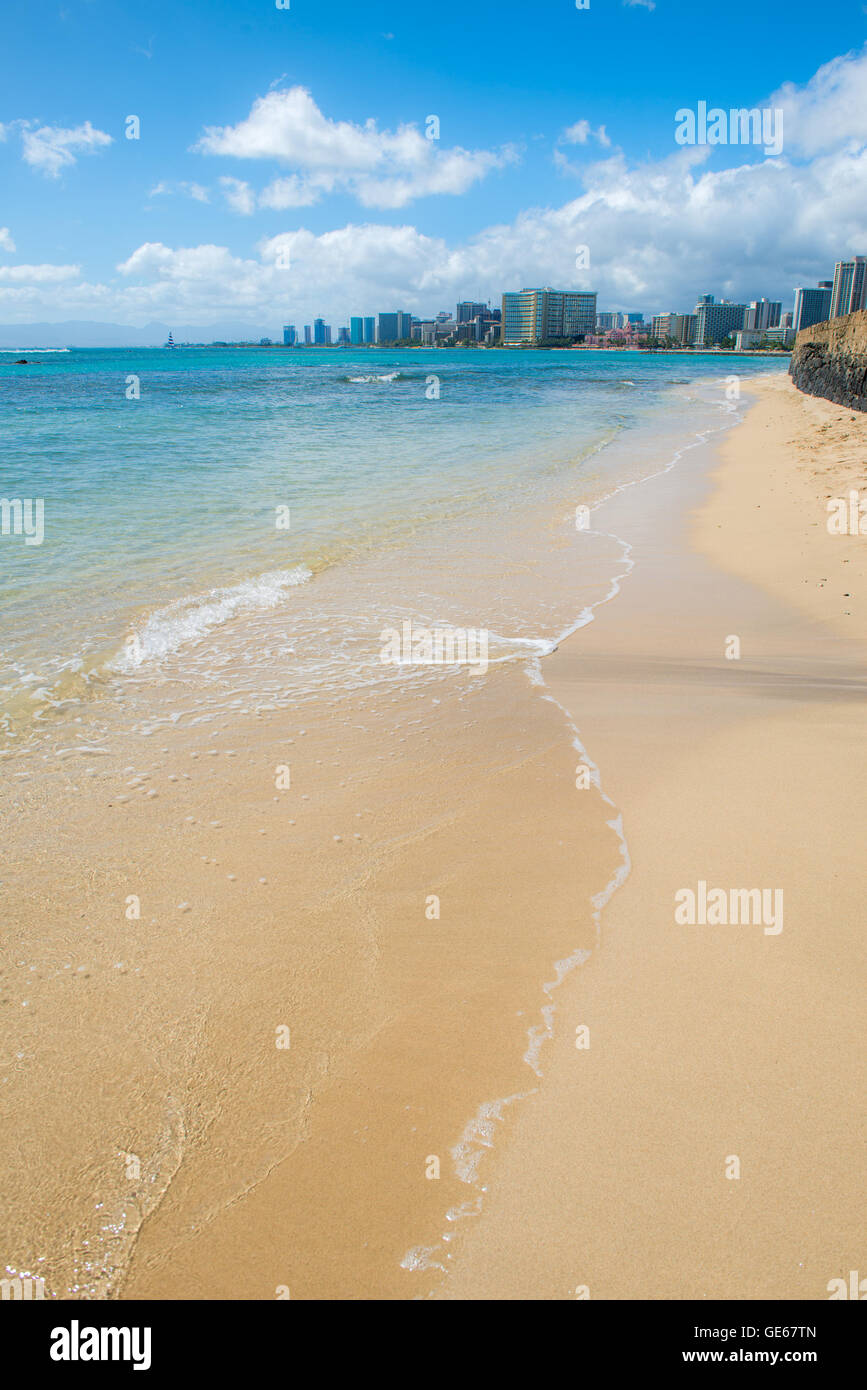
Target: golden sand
{"x": 395, "y": 914}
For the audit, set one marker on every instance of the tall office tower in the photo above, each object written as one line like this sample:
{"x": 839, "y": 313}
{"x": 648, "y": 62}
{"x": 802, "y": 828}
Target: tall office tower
{"x": 307, "y": 335}
{"x": 762, "y": 314}
{"x": 703, "y": 301}
{"x": 533, "y": 316}
{"x": 605, "y": 321}
{"x": 468, "y": 310}
{"x": 288, "y": 335}
{"x": 404, "y": 325}
{"x": 714, "y": 322}
{"x": 369, "y": 329}
{"x": 812, "y": 305}
{"x": 850, "y": 286}
{"x": 343, "y": 335}
{"x": 356, "y": 331}
{"x": 328, "y": 335}
{"x": 319, "y": 332}
{"x": 386, "y": 328}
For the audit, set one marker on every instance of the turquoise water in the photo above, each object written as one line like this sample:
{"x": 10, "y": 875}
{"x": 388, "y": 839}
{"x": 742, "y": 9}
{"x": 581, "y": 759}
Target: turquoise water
{"x": 163, "y": 475}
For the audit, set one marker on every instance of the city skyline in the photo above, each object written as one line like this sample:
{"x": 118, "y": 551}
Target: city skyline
{"x": 297, "y": 180}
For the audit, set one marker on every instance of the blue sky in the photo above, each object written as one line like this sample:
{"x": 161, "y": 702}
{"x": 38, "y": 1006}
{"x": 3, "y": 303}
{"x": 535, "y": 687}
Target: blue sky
{"x": 367, "y": 219}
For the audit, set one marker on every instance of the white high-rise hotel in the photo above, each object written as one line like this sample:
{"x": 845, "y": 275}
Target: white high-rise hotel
{"x": 850, "y": 286}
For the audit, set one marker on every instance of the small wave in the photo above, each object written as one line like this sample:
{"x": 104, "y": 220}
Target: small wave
{"x": 4, "y": 351}
{"x": 365, "y": 380}
{"x": 190, "y": 619}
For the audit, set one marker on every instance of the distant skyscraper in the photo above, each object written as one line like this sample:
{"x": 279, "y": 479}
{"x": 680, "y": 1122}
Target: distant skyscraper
{"x": 356, "y": 331}
{"x": 812, "y": 306}
{"x": 762, "y": 314}
{"x": 533, "y": 316}
{"x": 386, "y": 328}
{"x": 404, "y": 325}
{"x": 321, "y": 332}
{"x": 850, "y": 285}
{"x": 468, "y": 310}
{"x": 288, "y": 335}
{"x": 714, "y": 322}
{"x": 343, "y": 335}
{"x": 370, "y": 329}
{"x": 308, "y": 339}
{"x": 605, "y": 321}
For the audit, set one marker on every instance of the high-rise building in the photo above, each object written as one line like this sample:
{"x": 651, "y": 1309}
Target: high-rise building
{"x": 605, "y": 321}
{"x": 762, "y": 314}
{"x": 342, "y": 335}
{"x": 715, "y": 322}
{"x": 321, "y": 332}
{"x": 307, "y": 335}
{"x": 356, "y": 331}
{"x": 536, "y": 315}
{"x": 812, "y": 305}
{"x": 468, "y": 310}
{"x": 850, "y": 286}
{"x": 404, "y": 325}
{"x": 288, "y": 335}
{"x": 369, "y": 329}
{"x": 386, "y": 328}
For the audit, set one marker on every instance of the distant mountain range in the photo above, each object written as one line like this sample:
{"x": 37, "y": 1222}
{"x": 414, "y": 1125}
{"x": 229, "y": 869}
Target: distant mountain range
{"x": 86, "y": 333}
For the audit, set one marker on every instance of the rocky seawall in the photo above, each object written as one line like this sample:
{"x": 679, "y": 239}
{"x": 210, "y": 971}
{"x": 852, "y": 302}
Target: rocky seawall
{"x": 830, "y": 359}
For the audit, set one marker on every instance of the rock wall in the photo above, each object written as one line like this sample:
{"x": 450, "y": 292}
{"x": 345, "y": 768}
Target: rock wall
{"x": 830, "y": 359}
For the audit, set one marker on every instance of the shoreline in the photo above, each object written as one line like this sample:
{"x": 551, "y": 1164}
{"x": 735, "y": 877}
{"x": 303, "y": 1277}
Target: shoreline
{"x": 708, "y": 1049}
{"x": 309, "y": 1167}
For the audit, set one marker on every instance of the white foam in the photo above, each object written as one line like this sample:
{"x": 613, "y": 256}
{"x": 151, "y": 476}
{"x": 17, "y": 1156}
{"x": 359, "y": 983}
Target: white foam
{"x": 187, "y": 620}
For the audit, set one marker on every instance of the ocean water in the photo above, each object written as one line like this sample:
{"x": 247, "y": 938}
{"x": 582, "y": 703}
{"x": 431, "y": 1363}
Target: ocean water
{"x": 205, "y": 508}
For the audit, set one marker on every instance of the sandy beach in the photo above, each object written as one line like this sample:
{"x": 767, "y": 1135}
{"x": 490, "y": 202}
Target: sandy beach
{"x": 320, "y": 1042}
{"x": 711, "y": 1043}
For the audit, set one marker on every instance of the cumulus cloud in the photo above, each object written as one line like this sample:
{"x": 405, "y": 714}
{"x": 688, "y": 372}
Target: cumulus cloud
{"x": 386, "y": 169}
{"x": 52, "y": 148}
{"x": 39, "y": 274}
{"x": 659, "y": 232}
{"x": 830, "y": 111}
{"x": 238, "y": 194}
{"x": 6, "y": 242}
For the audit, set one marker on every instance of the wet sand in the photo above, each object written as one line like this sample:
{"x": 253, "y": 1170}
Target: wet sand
{"x": 711, "y": 1043}
{"x": 399, "y": 909}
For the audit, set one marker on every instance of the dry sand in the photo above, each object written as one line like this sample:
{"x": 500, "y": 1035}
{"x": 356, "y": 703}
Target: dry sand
{"x": 262, "y": 1169}
{"x": 711, "y": 1043}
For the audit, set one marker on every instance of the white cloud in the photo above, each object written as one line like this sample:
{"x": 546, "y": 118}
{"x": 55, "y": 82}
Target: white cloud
{"x": 194, "y": 190}
{"x": 830, "y": 111}
{"x": 52, "y": 148}
{"x": 643, "y": 4}
{"x": 6, "y": 242}
{"x": 380, "y": 168}
{"x": 39, "y": 274}
{"x": 660, "y": 233}
{"x": 238, "y": 194}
